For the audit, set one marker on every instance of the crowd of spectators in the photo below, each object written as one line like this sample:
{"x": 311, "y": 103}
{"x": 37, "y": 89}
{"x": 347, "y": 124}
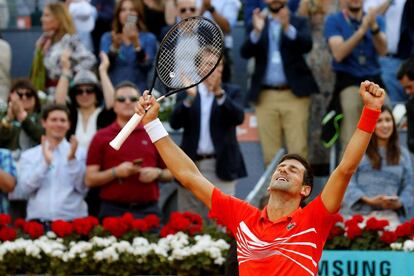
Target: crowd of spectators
{"x": 94, "y": 59}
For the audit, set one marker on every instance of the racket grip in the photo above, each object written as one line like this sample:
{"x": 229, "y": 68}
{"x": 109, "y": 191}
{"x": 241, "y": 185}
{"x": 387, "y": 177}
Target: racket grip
{"x": 117, "y": 142}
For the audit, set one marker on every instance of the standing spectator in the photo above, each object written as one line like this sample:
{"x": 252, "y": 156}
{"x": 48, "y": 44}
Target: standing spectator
{"x": 90, "y": 109}
{"x": 58, "y": 36}
{"x": 131, "y": 49}
{"x": 5, "y": 64}
{"x": 155, "y": 16}
{"x": 83, "y": 16}
{"x": 177, "y": 10}
{"x": 128, "y": 177}
{"x": 392, "y": 11}
{"x": 105, "y": 9}
{"x": 20, "y": 128}
{"x": 224, "y": 13}
{"x": 52, "y": 173}
{"x": 319, "y": 61}
{"x": 278, "y": 42}
{"x": 209, "y": 114}
{"x": 386, "y": 165}
{"x": 406, "y": 77}
{"x": 356, "y": 39}
{"x": 7, "y": 178}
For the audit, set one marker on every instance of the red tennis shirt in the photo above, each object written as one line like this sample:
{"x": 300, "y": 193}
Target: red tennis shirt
{"x": 292, "y": 245}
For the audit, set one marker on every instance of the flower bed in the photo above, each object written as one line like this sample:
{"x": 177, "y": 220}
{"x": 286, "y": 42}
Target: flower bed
{"x": 125, "y": 245}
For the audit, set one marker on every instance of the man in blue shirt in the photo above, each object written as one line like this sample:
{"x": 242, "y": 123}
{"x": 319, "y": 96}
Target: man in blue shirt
{"x": 356, "y": 39}
{"x": 282, "y": 81}
{"x": 52, "y": 174}
{"x": 7, "y": 178}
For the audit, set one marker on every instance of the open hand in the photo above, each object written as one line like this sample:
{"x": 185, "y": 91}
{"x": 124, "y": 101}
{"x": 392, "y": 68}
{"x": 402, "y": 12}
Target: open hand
{"x": 104, "y": 65}
{"x": 47, "y": 150}
{"x": 73, "y": 147}
{"x": 258, "y": 20}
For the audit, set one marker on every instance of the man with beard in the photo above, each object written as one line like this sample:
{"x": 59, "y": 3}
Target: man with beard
{"x": 356, "y": 39}
{"x": 281, "y": 239}
{"x": 282, "y": 81}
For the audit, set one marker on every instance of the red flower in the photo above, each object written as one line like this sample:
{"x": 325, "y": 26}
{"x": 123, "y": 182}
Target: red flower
{"x": 19, "y": 223}
{"x": 353, "y": 231}
{"x": 115, "y": 226}
{"x": 83, "y": 226}
{"x": 336, "y": 231}
{"x": 62, "y": 228}
{"x": 7, "y": 234}
{"x": 153, "y": 221}
{"x": 33, "y": 229}
{"x": 388, "y": 237}
{"x": 140, "y": 225}
{"x": 128, "y": 218}
{"x": 186, "y": 222}
{"x": 338, "y": 218}
{"x": 375, "y": 224}
{"x": 404, "y": 230}
{"x": 4, "y": 219}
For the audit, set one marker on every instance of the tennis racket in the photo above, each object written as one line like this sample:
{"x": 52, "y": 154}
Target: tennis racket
{"x": 187, "y": 55}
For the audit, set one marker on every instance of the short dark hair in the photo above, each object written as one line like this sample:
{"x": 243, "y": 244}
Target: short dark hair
{"x": 308, "y": 174}
{"x": 406, "y": 69}
{"x": 53, "y": 107}
{"x": 129, "y": 84}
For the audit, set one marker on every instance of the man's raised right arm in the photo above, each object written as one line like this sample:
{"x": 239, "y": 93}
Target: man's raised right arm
{"x": 179, "y": 164}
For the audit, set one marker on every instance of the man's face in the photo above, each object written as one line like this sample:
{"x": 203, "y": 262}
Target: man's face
{"x": 288, "y": 178}
{"x": 408, "y": 85}
{"x": 186, "y": 8}
{"x": 275, "y": 5}
{"x": 125, "y": 100}
{"x": 56, "y": 124}
{"x": 354, "y": 5}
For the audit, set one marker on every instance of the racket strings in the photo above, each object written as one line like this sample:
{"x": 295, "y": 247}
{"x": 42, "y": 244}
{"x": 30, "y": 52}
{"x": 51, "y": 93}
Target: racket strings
{"x": 189, "y": 53}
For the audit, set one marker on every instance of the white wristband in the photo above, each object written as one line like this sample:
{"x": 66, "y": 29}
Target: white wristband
{"x": 155, "y": 130}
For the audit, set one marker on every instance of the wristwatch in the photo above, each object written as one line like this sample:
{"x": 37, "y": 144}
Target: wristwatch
{"x": 212, "y": 9}
{"x": 376, "y": 31}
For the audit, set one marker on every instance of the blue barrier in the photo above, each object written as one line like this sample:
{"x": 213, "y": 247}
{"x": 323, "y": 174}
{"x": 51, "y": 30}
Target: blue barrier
{"x": 378, "y": 263}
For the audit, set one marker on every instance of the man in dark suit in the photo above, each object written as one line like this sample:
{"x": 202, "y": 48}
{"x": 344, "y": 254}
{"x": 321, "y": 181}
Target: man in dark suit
{"x": 282, "y": 81}
{"x": 209, "y": 114}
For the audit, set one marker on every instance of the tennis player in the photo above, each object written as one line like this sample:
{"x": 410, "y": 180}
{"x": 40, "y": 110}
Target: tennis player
{"x": 281, "y": 239}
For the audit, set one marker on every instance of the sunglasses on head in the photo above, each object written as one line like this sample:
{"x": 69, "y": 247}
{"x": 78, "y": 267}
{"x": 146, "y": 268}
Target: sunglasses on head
{"x": 27, "y": 94}
{"x": 122, "y": 99}
{"x": 88, "y": 90}
{"x": 190, "y": 9}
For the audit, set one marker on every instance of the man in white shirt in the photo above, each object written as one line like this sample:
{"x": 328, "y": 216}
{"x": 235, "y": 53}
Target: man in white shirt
{"x": 52, "y": 174}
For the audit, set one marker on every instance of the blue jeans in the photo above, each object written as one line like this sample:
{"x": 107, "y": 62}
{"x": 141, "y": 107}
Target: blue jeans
{"x": 395, "y": 91}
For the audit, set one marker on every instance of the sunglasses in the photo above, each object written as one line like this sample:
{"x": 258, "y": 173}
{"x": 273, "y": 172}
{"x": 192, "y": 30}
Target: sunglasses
{"x": 190, "y": 9}
{"x": 123, "y": 99}
{"x": 89, "y": 91}
{"x": 28, "y": 95}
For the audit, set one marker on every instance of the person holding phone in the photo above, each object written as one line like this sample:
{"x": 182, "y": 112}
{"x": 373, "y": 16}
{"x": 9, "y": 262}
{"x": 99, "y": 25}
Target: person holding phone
{"x": 131, "y": 49}
{"x": 383, "y": 185}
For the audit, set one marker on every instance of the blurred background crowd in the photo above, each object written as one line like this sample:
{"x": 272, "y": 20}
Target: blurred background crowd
{"x": 303, "y": 61}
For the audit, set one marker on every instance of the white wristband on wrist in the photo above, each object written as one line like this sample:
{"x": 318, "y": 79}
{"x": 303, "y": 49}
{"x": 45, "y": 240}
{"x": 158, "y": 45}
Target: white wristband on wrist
{"x": 155, "y": 130}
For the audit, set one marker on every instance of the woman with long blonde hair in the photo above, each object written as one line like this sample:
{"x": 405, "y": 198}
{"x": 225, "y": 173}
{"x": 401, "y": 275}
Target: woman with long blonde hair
{"x": 58, "y": 35}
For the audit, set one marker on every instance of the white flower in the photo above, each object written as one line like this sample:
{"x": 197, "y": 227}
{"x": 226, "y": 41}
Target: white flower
{"x": 408, "y": 245}
{"x": 396, "y": 246}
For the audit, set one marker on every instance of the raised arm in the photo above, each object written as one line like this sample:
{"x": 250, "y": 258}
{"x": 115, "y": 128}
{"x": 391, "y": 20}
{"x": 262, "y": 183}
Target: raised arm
{"x": 179, "y": 164}
{"x": 62, "y": 87}
{"x": 107, "y": 87}
{"x": 373, "y": 98}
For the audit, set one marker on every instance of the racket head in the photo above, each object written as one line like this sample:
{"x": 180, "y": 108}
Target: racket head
{"x": 189, "y": 53}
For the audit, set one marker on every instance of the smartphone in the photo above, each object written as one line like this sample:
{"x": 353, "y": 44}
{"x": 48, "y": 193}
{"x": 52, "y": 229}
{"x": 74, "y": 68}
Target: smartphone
{"x": 131, "y": 20}
{"x": 137, "y": 162}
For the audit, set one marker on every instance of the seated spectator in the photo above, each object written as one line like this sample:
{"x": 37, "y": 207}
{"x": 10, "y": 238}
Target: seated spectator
{"x": 5, "y": 63}
{"x": 58, "y": 36}
{"x": 90, "y": 109}
{"x": 128, "y": 177}
{"x": 52, "y": 174}
{"x": 7, "y": 178}
{"x": 131, "y": 49}
{"x": 383, "y": 185}
{"x": 20, "y": 128}
{"x": 406, "y": 77}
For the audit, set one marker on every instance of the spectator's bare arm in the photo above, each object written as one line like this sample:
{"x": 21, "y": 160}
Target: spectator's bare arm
{"x": 63, "y": 83}
{"x": 107, "y": 87}
{"x": 7, "y": 182}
